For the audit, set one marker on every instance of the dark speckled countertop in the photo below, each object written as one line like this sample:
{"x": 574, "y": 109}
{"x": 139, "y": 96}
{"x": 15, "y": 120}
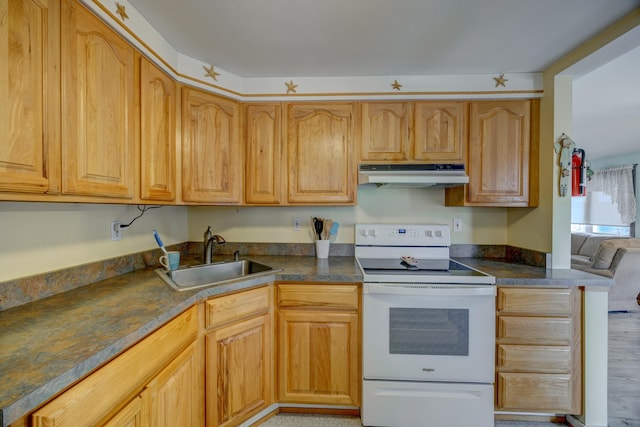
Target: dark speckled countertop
{"x": 49, "y": 344}
{"x": 524, "y": 275}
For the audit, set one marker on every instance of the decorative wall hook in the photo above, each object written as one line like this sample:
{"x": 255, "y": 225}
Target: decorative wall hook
{"x": 564, "y": 148}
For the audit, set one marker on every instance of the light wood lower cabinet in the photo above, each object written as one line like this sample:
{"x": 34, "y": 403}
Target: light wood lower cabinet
{"x": 318, "y": 344}
{"x": 158, "y": 382}
{"x": 539, "y": 350}
{"x": 238, "y": 356}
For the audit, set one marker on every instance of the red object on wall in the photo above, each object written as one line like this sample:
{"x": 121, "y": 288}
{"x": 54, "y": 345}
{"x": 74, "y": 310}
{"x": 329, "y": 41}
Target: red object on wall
{"x": 579, "y": 173}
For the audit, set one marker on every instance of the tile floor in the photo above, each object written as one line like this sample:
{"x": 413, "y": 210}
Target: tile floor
{"x": 624, "y": 384}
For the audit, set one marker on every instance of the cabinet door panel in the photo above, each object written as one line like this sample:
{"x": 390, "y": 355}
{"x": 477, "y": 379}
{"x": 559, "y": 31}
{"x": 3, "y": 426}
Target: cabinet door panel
{"x": 499, "y": 147}
{"x": 318, "y": 357}
{"x": 26, "y": 129}
{"x": 98, "y": 107}
{"x": 238, "y": 371}
{"x": 545, "y": 330}
{"x": 263, "y": 174}
{"x": 157, "y": 133}
{"x": 534, "y": 358}
{"x": 173, "y": 397}
{"x": 130, "y": 416}
{"x": 384, "y": 133}
{"x": 320, "y": 153}
{"x": 537, "y": 302}
{"x": 439, "y": 131}
{"x": 211, "y": 151}
{"x": 536, "y": 392}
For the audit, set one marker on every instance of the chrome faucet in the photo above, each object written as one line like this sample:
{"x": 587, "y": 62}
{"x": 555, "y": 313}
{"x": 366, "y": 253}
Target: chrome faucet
{"x": 209, "y": 240}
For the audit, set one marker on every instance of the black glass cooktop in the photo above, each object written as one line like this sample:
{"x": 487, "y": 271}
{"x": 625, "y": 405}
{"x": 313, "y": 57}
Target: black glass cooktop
{"x": 422, "y": 266}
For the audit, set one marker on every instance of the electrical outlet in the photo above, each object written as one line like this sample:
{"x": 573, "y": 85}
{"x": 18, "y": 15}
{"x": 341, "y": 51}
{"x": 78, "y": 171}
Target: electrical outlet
{"x": 457, "y": 225}
{"x": 297, "y": 224}
{"x": 116, "y": 231}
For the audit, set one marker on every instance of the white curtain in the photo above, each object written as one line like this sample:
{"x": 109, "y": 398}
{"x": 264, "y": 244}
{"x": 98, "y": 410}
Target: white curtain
{"x": 617, "y": 182}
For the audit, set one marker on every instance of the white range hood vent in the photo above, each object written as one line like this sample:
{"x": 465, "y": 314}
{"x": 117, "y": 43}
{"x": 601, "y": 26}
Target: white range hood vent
{"x": 413, "y": 175}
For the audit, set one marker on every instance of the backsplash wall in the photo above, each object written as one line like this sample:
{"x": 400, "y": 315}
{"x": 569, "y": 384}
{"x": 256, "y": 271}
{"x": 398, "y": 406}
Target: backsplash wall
{"x": 375, "y": 205}
{"x": 42, "y": 237}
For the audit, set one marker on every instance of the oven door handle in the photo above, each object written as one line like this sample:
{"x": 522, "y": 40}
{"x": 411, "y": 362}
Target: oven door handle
{"x": 428, "y": 290}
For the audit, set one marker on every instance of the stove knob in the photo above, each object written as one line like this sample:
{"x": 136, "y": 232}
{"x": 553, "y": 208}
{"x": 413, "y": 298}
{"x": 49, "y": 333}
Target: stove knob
{"x": 429, "y": 233}
{"x": 438, "y": 233}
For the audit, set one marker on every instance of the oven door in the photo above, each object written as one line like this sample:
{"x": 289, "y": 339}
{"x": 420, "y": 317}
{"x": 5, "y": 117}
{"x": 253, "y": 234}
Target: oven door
{"x": 429, "y": 332}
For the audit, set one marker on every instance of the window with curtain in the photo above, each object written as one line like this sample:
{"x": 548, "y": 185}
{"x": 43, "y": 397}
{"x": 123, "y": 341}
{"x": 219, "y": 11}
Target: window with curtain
{"x": 609, "y": 206}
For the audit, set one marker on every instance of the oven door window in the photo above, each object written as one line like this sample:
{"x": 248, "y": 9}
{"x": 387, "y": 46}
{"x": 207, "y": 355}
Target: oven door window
{"x": 429, "y": 331}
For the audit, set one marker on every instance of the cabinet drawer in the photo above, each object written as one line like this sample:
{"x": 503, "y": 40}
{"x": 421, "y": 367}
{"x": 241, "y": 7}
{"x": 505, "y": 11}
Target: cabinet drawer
{"x": 534, "y": 358}
{"x": 237, "y": 306}
{"x": 535, "y": 330}
{"x": 535, "y": 392}
{"x": 318, "y": 296}
{"x": 539, "y": 302}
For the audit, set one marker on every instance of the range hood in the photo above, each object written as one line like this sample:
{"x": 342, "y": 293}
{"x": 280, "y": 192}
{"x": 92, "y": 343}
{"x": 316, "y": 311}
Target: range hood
{"x": 413, "y": 175}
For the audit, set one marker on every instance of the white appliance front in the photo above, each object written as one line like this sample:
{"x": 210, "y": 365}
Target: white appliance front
{"x": 429, "y": 332}
{"x": 417, "y": 404}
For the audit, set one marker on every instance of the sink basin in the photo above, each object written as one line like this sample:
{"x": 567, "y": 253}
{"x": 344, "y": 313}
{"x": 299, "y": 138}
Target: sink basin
{"x": 201, "y": 276}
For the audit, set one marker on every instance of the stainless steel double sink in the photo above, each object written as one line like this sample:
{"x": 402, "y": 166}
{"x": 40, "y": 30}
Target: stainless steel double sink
{"x": 205, "y": 275}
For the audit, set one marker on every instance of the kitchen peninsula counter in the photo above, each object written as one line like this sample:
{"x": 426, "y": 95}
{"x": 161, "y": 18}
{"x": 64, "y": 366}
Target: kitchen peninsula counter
{"x": 507, "y": 273}
{"x": 49, "y": 344}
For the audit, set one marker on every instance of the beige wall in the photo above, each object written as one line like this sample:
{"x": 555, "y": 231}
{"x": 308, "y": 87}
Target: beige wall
{"x": 274, "y": 224}
{"x": 41, "y": 237}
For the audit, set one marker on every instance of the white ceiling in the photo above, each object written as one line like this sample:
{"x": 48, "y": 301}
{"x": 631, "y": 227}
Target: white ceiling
{"x": 606, "y": 108}
{"x": 344, "y": 38}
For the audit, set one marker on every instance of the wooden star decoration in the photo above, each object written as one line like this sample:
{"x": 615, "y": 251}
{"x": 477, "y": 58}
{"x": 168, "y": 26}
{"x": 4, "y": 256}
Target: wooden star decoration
{"x": 291, "y": 87}
{"x": 500, "y": 80}
{"x": 396, "y": 85}
{"x": 121, "y": 10}
{"x": 210, "y": 72}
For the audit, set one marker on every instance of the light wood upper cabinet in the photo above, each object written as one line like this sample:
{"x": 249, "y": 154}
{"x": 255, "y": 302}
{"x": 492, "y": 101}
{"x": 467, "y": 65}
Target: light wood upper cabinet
{"x": 439, "y": 131}
{"x": 29, "y": 116}
{"x": 157, "y": 133}
{"x": 413, "y": 132}
{"x": 320, "y": 153}
{"x": 266, "y": 164}
{"x": 502, "y": 155}
{"x": 211, "y": 148}
{"x": 98, "y": 134}
{"x": 318, "y": 344}
{"x": 385, "y": 131}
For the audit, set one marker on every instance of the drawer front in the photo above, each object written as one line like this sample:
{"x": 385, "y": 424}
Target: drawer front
{"x": 535, "y": 330}
{"x": 535, "y": 392}
{"x": 534, "y": 358}
{"x": 539, "y": 302}
{"x": 237, "y": 306}
{"x": 318, "y": 296}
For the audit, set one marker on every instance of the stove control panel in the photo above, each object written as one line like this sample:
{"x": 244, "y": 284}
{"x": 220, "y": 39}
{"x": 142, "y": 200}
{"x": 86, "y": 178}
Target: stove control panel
{"x": 403, "y": 235}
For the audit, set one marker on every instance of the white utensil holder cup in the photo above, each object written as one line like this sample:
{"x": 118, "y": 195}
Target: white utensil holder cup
{"x": 322, "y": 248}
